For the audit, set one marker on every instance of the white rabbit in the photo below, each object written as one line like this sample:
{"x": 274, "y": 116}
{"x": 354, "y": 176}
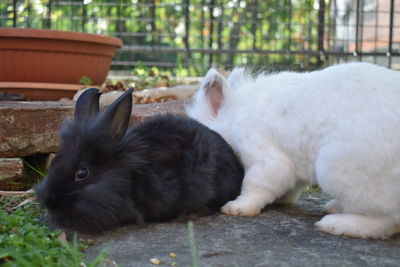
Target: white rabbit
{"x": 338, "y": 127}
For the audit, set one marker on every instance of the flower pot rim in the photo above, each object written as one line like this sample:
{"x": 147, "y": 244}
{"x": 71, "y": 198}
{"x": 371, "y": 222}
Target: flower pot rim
{"x": 59, "y": 35}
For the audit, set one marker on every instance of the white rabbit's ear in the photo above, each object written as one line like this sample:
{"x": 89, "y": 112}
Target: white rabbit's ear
{"x": 214, "y": 86}
{"x": 237, "y": 77}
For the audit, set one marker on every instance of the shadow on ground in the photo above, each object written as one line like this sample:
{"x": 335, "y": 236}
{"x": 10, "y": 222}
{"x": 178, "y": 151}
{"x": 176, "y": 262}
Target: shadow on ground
{"x": 280, "y": 236}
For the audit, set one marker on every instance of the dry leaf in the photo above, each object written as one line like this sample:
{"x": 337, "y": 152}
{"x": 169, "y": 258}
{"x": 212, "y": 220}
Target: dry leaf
{"x": 155, "y": 261}
{"x": 172, "y": 255}
{"x": 62, "y": 237}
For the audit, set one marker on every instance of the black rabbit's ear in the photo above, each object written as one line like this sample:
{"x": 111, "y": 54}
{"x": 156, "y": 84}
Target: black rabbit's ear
{"x": 116, "y": 117}
{"x": 87, "y": 105}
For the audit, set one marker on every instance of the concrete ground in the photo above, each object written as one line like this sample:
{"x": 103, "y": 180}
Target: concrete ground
{"x": 280, "y": 236}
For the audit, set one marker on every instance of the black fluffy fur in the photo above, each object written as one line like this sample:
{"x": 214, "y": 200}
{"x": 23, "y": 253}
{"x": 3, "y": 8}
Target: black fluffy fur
{"x": 162, "y": 168}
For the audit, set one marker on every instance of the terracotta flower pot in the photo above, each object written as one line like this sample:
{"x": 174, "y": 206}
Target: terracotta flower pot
{"x": 51, "y": 60}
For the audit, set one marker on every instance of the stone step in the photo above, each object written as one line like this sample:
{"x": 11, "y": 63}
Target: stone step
{"x": 11, "y": 168}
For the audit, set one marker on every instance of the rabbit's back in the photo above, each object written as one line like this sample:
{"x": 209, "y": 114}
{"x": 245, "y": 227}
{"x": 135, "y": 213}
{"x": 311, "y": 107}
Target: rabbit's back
{"x": 186, "y": 167}
{"x": 301, "y": 112}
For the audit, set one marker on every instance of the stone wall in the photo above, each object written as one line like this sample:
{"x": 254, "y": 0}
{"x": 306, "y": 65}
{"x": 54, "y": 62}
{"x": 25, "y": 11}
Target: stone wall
{"x": 31, "y": 128}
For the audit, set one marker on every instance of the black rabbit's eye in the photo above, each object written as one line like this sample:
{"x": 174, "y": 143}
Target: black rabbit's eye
{"x": 81, "y": 174}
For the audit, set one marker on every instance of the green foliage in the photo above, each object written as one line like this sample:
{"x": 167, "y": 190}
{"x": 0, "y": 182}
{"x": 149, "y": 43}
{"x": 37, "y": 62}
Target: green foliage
{"x": 141, "y": 74}
{"x": 151, "y": 77}
{"x": 280, "y": 25}
{"x": 25, "y": 241}
{"x": 85, "y": 80}
{"x": 312, "y": 189}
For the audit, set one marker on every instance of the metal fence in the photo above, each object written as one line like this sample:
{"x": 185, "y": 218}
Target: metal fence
{"x": 197, "y": 34}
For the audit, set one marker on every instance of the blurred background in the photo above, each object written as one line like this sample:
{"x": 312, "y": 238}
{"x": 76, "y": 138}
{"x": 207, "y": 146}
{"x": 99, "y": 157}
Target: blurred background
{"x": 191, "y": 35}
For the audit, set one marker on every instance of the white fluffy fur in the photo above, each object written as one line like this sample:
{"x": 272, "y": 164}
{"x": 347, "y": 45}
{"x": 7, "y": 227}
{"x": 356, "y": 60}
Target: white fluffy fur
{"x": 338, "y": 127}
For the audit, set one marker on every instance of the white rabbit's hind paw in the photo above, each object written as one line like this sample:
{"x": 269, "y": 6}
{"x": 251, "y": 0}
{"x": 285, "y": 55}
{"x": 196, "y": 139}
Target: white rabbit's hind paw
{"x": 241, "y": 207}
{"x": 359, "y": 226}
{"x": 332, "y": 207}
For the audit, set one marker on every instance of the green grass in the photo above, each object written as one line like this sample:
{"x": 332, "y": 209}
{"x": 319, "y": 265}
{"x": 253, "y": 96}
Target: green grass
{"x": 26, "y": 241}
{"x": 192, "y": 244}
{"x": 36, "y": 170}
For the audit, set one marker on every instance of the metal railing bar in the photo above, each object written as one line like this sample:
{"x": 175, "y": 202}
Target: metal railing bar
{"x": 390, "y": 48}
{"x": 146, "y": 49}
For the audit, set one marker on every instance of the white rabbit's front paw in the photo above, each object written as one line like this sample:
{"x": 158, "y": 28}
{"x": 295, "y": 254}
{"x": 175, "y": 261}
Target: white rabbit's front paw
{"x": 241, "y": 207}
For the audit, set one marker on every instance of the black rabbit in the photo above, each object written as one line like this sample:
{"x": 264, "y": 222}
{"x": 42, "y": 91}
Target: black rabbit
{"x": 106, "y": 174}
